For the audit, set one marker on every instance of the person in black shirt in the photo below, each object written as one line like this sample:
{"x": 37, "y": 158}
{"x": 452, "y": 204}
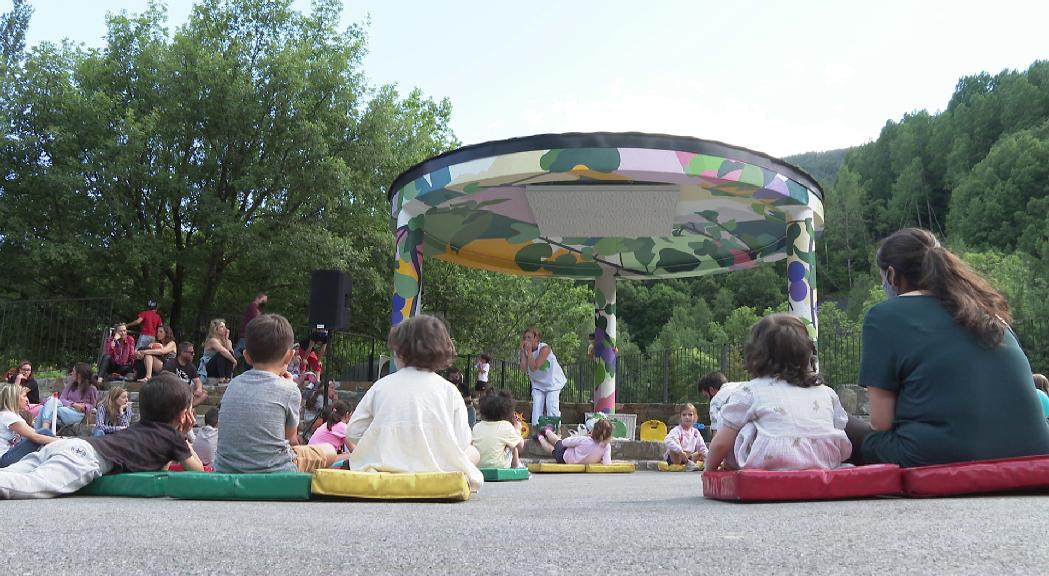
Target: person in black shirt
{"x": 23, "y": 376}
{"x": 65, "y": 466}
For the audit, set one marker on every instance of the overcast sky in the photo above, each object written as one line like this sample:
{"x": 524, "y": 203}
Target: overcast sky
{"x": 777, "y": 77}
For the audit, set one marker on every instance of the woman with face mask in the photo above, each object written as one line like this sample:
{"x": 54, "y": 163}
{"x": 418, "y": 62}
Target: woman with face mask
{"x": 945, "y": 375}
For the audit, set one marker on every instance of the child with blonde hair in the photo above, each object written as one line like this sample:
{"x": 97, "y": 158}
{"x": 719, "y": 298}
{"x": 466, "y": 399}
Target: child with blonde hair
{"x": 113, "y": 414}
{"x": 594, "y": 448}
{"x": 684, "y": 444}
{"x": 784, "y": 418}
{"x": 413, "y": 420}
{"x": 17, "y": 438}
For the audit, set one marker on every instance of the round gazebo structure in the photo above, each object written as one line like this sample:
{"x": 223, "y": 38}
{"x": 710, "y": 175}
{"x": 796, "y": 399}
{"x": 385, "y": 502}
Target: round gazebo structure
{"x": 604, "y": 206}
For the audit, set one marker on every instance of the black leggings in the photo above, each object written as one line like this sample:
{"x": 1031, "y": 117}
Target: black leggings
{"x": 219, "y": 367}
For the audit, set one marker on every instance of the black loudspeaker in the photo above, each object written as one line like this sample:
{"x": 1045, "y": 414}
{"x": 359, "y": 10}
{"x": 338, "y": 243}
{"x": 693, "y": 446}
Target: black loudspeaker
{"x": 329, "y": 299}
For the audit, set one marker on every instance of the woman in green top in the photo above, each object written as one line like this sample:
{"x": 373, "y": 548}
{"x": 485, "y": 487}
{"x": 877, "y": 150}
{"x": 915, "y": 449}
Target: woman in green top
{"x": 945, "y": 375}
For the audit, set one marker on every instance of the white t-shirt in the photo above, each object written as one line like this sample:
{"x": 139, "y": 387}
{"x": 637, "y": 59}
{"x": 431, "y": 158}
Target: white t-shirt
{"x": 411, "y": 421}
{"x": 482, "y": 372}
{"x": 8, "y": 437}
{"x": 495, "y": 442}
{"x": 718, "y": 401}
{"x": 786, "y": 427}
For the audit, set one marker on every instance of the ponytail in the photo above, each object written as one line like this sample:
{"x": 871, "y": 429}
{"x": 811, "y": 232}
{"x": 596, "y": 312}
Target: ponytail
{"x": 335, "y": 413}
{"x": 918, "y": 257}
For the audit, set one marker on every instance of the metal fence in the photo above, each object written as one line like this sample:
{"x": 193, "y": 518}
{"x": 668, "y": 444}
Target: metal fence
{"x": 53, "y": 333}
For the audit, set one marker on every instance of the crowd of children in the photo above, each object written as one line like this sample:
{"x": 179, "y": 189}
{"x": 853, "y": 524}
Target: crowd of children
{"x": 412, "y": 420}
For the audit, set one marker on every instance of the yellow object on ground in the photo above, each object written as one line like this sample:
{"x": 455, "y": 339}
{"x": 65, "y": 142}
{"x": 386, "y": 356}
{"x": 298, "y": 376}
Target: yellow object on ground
{"x": 450, "y": 486}
{"x": 653, "y": 431}
{"x": 613, "y": 468}
{"x": 553, "y": 468}
{"x": 664, "y": 467}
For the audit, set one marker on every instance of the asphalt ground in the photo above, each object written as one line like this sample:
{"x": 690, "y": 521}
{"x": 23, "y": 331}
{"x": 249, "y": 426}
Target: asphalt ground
{"x": 641, "y": 523}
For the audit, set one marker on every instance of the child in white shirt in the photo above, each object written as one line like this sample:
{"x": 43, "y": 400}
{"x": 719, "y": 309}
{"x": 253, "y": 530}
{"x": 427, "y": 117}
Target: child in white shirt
{"x": 684, "y": 444}
{"x": 413, "y": 420}
{"x": 784, "y": 418}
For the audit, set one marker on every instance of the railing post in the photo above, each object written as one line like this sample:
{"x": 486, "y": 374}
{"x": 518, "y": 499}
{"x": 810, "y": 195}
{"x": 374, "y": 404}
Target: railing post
{"x": 666, "y": 376}
{"x": 580, "y": 368}
{"x": 723, "y": 360}
{"x": 502, "y": 373}
{"x": 371, "y": 361}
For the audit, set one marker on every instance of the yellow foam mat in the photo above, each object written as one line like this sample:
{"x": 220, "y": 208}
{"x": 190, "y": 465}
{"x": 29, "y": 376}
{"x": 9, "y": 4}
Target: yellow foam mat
{"x": 613, "y": 468}
{"x": 451, "y": 486}
{"x": 664, "y": 467}
{"x": 552, "y": 468}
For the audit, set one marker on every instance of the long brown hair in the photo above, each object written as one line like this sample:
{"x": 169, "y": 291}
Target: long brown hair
{"x": 83, "y": 379}
{"x": 110, "y": 404}
{"x": 918, "y": 257}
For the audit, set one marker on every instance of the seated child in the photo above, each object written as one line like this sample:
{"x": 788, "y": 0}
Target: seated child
{"x": 684, "y": 444}
{"x": 114, "y": 413}
{"x": 260, "y": 409}
{"x": 69, "y": 464}
{"x": 413, "y": 420}
{"x": 17, "y": 437}
{"x": 333, "y": 431}
{"x": 591, "y": 449}
{"x": 498, "y": 437}
{"x": 206, "y": 441}
{"x": 717, "y": 387}
{"x": 784, "y": 418}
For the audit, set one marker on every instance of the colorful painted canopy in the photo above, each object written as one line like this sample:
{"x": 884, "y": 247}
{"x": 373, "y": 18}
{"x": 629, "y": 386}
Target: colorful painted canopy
{"x": 649, "y": 206}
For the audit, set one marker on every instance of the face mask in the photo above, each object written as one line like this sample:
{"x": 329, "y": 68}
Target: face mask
{"x": 890, "y": 290}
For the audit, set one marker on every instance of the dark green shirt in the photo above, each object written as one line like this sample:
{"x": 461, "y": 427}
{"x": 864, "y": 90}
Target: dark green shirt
{"x": 956, "y": 399}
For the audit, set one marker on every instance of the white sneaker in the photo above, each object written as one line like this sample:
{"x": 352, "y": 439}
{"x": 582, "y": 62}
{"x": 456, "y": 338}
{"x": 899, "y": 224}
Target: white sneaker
{"x": 690, "y": 466}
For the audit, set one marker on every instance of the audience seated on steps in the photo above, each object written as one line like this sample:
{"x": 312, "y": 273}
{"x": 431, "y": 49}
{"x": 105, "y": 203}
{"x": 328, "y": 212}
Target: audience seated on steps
{"x": 113, "y": 414}
{"x": 118, "y": 361}
{"x": 216, "y": 358}
{"x": 17, "y": 437}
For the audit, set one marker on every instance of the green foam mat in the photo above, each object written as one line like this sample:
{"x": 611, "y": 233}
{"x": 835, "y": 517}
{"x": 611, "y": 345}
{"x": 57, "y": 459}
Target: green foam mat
{"x": 214, "y": 486}
{"x": 505, "y": 474}
{"x": 128, "y": 485}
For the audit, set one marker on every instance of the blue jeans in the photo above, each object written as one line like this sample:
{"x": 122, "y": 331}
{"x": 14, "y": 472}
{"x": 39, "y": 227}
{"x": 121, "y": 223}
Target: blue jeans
{"x": 24, "y": 447}
{"x": 97, "y": 433}
{"x": 66, "y": 415}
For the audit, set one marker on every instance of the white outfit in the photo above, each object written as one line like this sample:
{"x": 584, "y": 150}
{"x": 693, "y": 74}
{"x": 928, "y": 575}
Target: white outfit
{"x": 547, "y": 383}
{"x": 8, "y": 437}
{"x": 58, "y": 468}
{"x": 412, "y": 421}
{"x": 681, "y": 440}
{"x": 718, "y": 401}
{"x": 786, "y": 427}
{"x": 205, "y": 444}
{"x": 482, "y": 372}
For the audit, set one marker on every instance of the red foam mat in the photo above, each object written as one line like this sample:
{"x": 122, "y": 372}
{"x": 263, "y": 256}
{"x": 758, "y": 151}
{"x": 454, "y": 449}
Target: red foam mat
{"x": 980, "y": 476}
{"x": 771, "y": 485}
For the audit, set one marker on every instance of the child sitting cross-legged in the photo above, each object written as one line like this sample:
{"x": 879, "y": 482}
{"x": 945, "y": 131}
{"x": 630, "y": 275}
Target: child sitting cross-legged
{"x": 260, "y": 409}
{"x": 67, "y": 465}
{"x": 498, "y": 436}
{"x": 684, "y": 444}
{"x": 784, "y": 418}
{"x": 206, "y": 439}
{"x": 413, "y": 420}
{"x": 591, "y": 449}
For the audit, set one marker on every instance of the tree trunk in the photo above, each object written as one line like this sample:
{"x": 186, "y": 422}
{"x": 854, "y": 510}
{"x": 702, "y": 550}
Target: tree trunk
{"x": 212, "y": 278}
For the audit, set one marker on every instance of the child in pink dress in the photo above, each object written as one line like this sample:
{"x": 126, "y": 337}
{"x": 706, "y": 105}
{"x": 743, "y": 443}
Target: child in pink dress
{"x": 592, "y": 449}
{"x": 684, "y": 444}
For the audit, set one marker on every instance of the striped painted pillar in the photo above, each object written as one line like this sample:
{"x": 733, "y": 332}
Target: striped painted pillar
{"x": 408, "y": 267}
{"x": 801, "y": 269}
{"x": 605, "y": 342}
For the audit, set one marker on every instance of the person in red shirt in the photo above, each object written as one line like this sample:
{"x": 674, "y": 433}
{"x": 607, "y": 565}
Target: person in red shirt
{"x": 253, "y": 309}
{"x": 149, "y": 319}
{"x": 119, "y": 357}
